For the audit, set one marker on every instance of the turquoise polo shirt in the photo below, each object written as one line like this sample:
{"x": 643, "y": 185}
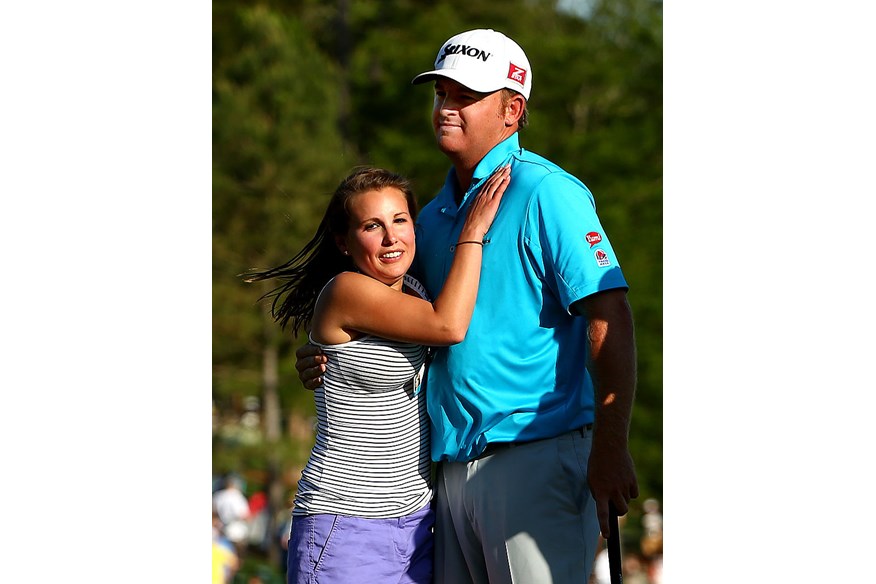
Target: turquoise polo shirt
{"x": 519, "y": 374}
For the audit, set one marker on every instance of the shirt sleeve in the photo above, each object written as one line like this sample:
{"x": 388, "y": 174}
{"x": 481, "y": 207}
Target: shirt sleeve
{"x": 568, "y": 242}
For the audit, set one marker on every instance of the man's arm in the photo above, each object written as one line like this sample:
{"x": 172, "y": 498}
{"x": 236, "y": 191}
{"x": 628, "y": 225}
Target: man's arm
{"x": 310, "y": 363}
{"x": 610, "y": 470}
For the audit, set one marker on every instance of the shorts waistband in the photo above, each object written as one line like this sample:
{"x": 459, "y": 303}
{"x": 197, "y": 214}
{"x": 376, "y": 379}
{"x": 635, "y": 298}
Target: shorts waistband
{"x": 494, "y": 447}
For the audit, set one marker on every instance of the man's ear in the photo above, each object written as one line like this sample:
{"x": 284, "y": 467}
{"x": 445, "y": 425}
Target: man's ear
{"x": 514, "y": 109}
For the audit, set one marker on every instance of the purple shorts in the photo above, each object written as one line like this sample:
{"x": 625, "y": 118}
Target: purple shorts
{"x": 337, "y": 549}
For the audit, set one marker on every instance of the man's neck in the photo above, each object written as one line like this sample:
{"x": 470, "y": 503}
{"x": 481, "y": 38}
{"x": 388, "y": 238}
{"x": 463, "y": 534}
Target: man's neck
{"x": 464, "y": 166}
{"x": 463, "y": 181}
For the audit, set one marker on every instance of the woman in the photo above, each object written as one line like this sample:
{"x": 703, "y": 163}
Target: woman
{"x": 362, "y": 512}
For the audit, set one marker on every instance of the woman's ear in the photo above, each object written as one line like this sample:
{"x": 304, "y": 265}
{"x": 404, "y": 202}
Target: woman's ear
{"x": 342, "y": 245}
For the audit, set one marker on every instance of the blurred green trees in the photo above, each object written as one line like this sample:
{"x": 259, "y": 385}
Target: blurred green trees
{"x": 305, "y": 90}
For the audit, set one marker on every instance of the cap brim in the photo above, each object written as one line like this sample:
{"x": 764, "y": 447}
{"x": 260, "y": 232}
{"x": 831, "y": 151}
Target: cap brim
{"x": 424, "y": 77}
{"x": 470, "y": 81}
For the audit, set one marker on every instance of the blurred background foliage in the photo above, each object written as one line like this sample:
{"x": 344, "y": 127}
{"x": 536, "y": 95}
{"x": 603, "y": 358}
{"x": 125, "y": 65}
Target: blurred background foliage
{"x": 305, "y": 90}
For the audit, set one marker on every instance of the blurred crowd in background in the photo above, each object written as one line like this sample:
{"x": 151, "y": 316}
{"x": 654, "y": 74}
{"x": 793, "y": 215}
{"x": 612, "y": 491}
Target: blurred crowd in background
{"x": 642, "y": 563}
{"x": 241, "y": 532}
{"x": 243, "y": 538}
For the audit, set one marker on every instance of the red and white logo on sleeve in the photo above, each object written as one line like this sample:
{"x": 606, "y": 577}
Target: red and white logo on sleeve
{"x": 602, "y": 259}
{"x": 593, "y": 238}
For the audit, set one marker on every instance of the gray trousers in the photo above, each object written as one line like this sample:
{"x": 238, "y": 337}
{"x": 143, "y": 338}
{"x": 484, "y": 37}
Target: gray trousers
{"x": 520, "y": 515}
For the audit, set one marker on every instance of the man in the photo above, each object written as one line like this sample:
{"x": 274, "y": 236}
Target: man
{"x": 530, "y": 413}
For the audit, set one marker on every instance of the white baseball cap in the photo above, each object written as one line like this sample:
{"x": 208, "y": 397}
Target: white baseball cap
{"x": 483, "y": 60}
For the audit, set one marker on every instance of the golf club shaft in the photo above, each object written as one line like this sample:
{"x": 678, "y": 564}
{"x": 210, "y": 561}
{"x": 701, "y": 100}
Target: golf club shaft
{"x": 614, "y": 550}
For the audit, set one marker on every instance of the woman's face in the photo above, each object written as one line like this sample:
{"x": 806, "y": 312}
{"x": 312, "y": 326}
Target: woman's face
{"x": 380, "y": 238}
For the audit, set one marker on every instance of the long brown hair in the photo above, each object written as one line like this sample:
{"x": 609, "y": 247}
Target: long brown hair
{"x": 305, "y": 275}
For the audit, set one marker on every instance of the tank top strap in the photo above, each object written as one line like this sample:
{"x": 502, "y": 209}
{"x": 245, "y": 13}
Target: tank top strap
{"x": 415, "y": 285}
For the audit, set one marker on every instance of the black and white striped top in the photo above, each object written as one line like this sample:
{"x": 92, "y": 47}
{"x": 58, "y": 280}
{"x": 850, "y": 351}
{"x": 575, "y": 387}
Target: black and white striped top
{"x": 371, "y": 457}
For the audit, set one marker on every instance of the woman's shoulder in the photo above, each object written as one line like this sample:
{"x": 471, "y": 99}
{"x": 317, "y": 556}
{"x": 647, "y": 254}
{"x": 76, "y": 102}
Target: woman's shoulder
{"x": 327, "y": 323}
{"x": 345, "y": 281}
{"x": 338, "y": 291}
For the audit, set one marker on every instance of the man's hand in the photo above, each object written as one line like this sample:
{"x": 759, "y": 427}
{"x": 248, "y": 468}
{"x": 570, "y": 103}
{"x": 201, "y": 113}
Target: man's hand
{"x": 310, "y": 364}
{"x": 612, "y": 477}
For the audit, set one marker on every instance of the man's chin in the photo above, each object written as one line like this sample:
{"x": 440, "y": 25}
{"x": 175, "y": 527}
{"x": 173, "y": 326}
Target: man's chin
{"x": 445, "y": 145}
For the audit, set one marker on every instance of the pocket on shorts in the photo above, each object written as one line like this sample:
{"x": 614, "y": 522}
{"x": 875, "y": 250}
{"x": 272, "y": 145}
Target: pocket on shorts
{"x": 310, "y": 539}
{"x": 574, "y": 453}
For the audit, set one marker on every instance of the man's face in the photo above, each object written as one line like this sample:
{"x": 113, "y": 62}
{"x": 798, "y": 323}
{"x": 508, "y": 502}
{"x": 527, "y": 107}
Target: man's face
{"x": 467, "y": 123}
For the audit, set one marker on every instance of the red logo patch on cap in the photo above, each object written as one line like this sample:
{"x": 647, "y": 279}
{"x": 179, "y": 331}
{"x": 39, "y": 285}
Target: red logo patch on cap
{"x": 517, "y": 74}
{"x": 593, "y": 238}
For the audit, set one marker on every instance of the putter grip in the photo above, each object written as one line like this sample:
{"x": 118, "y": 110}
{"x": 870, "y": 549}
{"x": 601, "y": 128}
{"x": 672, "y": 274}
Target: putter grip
{"x": 614, "y": 550}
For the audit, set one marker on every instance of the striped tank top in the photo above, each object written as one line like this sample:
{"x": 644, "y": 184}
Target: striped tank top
{"x": 371, "y": 455}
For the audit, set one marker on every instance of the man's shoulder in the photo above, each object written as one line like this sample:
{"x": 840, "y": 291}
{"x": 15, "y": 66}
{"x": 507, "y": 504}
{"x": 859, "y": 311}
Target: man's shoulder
{"x": 443, "y": 198}
{"x": 541, "y": 174}
{"x": 431, "y": 204}
{"x": 537, "y": 162}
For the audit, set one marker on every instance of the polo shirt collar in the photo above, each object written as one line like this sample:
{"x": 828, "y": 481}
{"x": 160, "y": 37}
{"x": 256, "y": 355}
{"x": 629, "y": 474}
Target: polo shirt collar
{"x": 489, "y": 163}
{"x": 495, "y": 157}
